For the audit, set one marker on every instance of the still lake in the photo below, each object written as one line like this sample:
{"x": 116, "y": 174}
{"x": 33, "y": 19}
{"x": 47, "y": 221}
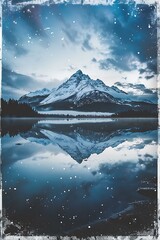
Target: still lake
{"x": 63, "y": 175}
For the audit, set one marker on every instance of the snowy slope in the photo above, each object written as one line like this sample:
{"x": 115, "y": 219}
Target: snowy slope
{"x": 34, "y": 98}
{"x": 41, "y": 92}
{"x": 79, "y": 86}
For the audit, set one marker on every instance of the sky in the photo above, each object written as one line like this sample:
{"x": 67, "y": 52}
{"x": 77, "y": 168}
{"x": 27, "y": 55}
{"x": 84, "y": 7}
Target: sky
{"x": 44, "y": 45}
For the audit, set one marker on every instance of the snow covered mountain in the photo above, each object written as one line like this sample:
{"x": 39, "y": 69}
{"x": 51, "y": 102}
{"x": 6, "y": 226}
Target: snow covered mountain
{"x": 42, "y": 92}
{"x": 82, "y": 93}
{"x": 79, "y": 86}
{"x": 33, "y": 98}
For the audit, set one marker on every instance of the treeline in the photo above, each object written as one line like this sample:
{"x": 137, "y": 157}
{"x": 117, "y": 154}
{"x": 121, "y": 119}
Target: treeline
{"x": 13, "y": 108}
{"x": 136, "y": 114}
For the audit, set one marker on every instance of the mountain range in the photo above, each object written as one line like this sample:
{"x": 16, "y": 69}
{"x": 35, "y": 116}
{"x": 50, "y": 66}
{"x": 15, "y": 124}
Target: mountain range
{"x": 81, "y": 93}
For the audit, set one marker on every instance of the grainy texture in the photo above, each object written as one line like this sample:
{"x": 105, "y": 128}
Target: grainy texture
{"x": 144, "y": 235}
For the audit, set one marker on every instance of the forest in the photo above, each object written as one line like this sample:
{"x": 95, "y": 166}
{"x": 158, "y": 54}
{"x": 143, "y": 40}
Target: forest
{"x": 12, "y": 108}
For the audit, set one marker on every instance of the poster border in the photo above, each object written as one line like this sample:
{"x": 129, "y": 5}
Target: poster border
{"x": 90, "y": 2}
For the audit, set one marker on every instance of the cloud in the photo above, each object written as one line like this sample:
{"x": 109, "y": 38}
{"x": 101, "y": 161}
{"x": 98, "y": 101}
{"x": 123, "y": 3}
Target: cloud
{"x": 40, "y": 75}
{"x": 10, "y": 41}
{"x": 119, "y": 37}
{"x": 152, "y": 65}
{"x": 130, "y": 31}
{"x": 14, "y": 84}
{"x": 94, "y": 60}
{"x": 72, "y": 68}
{"x": 21, "y": 26}
{"x": 149, "y": 77}
{"x": 72, "y": 34}
{"x": 141, "y": 70}
{"x": 86, "y": 43}
{"x": 135, "y": 87}
{"x": 76, "y": 36}
{"x": 117, "y": 64}
{"x": 150, "y": 69}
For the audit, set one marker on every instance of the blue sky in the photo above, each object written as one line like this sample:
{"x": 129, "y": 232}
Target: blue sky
{"x": 44, "y": 45}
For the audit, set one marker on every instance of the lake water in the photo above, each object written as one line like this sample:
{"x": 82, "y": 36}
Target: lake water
{"x": 63, "y": 175}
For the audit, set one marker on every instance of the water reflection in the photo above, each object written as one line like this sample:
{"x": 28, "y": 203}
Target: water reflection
{"x": 59, "y": 177}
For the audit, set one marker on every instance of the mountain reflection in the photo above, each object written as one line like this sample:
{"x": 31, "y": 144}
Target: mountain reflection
{"x": 82, "y": 139}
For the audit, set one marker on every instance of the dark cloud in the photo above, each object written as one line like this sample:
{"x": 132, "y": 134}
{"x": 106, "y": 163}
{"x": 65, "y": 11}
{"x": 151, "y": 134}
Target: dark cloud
{"x": 149, "y": 77}
{"x": 119, "y": 84}
{"x": 141, "y": 70}
{"x": 135, "y": 87}
{"x": 117, "y": 64}
{"x": 94, "y": 60}
{"x": 152, "y": 65}
{"x": 131, "y": 31}
{"x": 11, "y": 42}
{"x": 13, "y": 79}
{"x": 20, "y": 26}
{"x": 14, "y": 85}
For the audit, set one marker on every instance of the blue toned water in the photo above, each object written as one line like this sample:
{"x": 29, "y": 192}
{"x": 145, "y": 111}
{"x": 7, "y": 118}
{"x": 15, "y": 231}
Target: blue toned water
{"x": 61, "y": 175}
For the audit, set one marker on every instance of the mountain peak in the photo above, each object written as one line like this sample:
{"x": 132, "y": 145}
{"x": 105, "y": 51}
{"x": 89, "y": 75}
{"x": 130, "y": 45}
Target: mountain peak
{"x": 79, "y": 72}
{"x": 77, "y": 77}
{"x": 80, "y": 86}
